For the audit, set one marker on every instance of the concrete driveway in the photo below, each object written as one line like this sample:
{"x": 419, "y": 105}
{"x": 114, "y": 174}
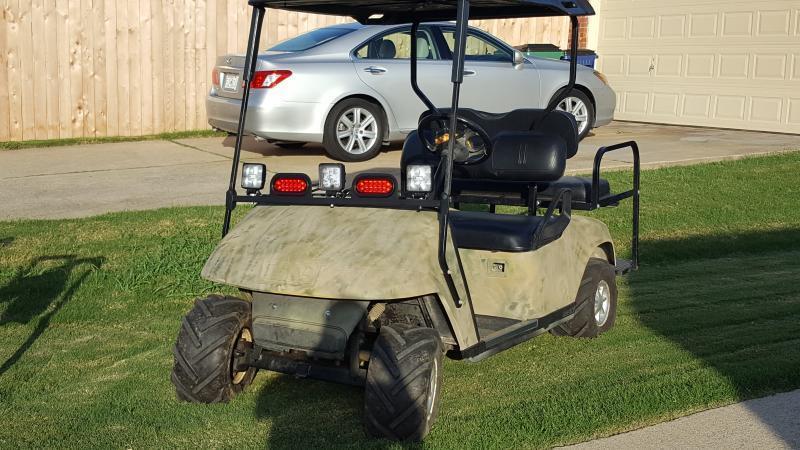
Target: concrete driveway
{"x": 87, "y": 180}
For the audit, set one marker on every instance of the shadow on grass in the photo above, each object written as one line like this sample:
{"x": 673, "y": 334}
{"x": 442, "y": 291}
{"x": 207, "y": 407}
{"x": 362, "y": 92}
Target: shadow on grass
{"x": 40, "y": 289}
{"x": 312, "y": 414}
{"x": 733, "y": 302}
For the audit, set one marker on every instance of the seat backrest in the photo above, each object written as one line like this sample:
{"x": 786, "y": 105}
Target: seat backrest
{"x": 529, "y": 156}
{"x": 559, "y": 123}
{"x": 423, "y": 49}
{"x": 387, "y": 50}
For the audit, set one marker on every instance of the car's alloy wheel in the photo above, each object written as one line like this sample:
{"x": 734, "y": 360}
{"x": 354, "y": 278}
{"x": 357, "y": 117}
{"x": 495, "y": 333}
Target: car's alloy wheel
{"x": 354, "y": 130}
{"x": 357, "y": 130}
{"x": 577, "y": 107}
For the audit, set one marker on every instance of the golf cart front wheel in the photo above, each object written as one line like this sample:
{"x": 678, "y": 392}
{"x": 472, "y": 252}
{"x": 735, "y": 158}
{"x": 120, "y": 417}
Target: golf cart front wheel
{"x": 596, "y": 308}
{"x": 403, "y": 379}
{"x": 213, "y": 338}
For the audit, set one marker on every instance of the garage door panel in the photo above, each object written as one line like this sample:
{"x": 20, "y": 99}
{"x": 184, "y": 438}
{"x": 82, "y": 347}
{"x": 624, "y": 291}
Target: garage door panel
{"x": 707, "y": 62}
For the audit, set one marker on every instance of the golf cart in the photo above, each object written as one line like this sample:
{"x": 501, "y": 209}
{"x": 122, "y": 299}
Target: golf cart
{"x": 371, "y": 283}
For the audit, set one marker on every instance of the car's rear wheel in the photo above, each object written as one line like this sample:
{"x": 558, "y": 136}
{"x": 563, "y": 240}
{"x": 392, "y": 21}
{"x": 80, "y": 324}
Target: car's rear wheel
{"x": 354, "y": 130}
{"x": 579, "y": 105}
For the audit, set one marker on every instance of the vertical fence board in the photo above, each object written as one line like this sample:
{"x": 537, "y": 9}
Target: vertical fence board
{"x": 51, "y": 67}
{"x": 123, "y": 71}
{"x": 38, "y": 80}
{"x": 135, "y": 64}
{"x": 146, "y": 66}
{"x": 87, "y": 63}
{"x": 5, "y": 103}
{"x": 99, "y": 72}
{"x": 111, "y": 59}
{"x": 27, "y": 71}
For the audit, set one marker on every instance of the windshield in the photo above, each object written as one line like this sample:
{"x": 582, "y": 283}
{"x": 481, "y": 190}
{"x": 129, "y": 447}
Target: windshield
{"x": 310, "y": 39}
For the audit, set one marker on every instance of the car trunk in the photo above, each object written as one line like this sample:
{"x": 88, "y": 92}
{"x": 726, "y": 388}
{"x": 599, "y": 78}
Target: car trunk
{"x": 230, "y": 69}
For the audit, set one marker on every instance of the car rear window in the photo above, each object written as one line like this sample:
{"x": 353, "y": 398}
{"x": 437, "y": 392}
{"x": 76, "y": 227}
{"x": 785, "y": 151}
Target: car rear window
{"x": 310, "y": 39}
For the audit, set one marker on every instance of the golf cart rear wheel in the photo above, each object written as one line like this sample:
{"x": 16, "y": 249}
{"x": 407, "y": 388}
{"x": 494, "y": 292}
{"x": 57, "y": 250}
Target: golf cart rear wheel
{"x": 403, "y": 379}
{"x": 213, "y": 335}
{"x": 354, "y": 130}
{"x": 597, "y": 302}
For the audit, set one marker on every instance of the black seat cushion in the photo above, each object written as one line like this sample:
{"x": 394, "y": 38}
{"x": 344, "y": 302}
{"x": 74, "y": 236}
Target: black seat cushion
{"x": 581, "y": 188}
{"x": 503, "y": 232}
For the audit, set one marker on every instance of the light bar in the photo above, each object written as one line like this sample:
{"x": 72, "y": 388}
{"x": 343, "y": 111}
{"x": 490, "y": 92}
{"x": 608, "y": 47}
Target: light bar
{"x": 374, "y": 185}
{"x": 331, "y": 177}
{"x": 253, "y": 176}
{"x": 290, "y": 184}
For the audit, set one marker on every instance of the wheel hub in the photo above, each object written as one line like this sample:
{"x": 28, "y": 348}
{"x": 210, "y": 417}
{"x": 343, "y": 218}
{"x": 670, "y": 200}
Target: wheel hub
{"x": 240, "y": 349}
{"x": 356, "y": 131}
{"x": 602, "y": 303}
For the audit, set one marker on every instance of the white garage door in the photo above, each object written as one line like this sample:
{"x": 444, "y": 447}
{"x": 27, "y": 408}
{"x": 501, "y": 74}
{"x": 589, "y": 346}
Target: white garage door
{"x": 719, "y": 63}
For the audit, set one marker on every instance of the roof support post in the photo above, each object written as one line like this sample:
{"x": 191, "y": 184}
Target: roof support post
{"x": 414, "y": 84}
{"x": 256, "y": 22}
{"x": 462, "y": 25}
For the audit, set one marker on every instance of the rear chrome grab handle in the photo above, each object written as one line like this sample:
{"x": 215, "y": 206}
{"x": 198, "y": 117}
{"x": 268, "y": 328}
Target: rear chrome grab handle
{"x": 375, "y": 70}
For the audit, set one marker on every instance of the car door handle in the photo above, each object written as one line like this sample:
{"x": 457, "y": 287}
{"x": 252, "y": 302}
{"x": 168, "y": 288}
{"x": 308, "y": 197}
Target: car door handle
{"x": 469, "y": 73}
{"x": 375, "y": 70}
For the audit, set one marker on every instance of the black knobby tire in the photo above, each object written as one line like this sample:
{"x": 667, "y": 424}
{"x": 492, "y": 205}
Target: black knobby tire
{"x": 401, "y": 400}
{"x": 205, "y": 348}
{"x": 329, "y": 137}
{"x": 590, "y": 111}
{"x": 290, "y": 145}
{"x": 584, "y": 323}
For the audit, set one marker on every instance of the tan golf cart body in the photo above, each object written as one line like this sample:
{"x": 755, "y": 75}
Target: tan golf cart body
{"x": 369, "y": 254}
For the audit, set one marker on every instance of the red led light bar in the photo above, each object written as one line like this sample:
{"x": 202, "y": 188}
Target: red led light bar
{"x": 374, "y": 185}
{"x": 291, "y": 184}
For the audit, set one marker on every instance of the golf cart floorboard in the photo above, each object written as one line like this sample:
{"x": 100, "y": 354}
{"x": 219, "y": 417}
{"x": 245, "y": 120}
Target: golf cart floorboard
{"x": 515, "y": 334}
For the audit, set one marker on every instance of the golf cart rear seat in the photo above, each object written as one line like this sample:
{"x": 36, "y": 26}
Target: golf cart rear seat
{"x": 587, "y": 193}
{"x": 516, "y": 156}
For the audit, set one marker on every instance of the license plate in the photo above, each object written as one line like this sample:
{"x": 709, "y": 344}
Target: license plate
{"x": 231, "y": 82}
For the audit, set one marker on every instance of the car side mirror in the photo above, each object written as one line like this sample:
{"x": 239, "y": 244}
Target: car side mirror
{"x": 519, "y": 58}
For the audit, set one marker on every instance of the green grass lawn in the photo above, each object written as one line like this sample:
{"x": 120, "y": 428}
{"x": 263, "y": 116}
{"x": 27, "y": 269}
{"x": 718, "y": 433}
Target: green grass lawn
{"x": 90, "y": 308}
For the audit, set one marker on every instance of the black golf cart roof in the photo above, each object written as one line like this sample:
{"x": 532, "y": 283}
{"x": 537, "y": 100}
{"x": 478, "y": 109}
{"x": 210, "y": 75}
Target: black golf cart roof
{"x": 405, "y": 11}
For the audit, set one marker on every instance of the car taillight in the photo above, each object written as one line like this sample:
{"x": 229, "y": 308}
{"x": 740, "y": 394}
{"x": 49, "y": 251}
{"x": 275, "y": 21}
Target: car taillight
{"x": 291, "y": 184}
{"x": 215, "y": 76}
{"x": 269, "y": 78}
{"x": 374, "y": 185}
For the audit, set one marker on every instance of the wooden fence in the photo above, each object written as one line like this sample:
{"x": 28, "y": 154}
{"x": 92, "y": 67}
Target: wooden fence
{"x": 84, "y": 68}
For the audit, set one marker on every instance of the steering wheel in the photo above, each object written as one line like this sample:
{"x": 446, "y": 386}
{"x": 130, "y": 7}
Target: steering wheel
{"x": 472, "y": 144}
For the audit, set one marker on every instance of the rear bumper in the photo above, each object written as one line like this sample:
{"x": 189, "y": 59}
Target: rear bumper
{"x": 273, "y": 119}
{"x": 605, "y": 104}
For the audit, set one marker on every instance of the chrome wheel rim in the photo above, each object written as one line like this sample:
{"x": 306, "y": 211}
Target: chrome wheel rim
{"x": 577, "y": 108}
{"x": 356, "y": 131}
{"x": 244, "y": 336}
{"x": 432, "y": 390}
{"x": 602, "y": 303}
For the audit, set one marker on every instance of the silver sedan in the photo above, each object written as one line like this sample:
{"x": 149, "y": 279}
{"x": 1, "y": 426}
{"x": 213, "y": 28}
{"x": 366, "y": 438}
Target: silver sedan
{"x": 346, "y": 86}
